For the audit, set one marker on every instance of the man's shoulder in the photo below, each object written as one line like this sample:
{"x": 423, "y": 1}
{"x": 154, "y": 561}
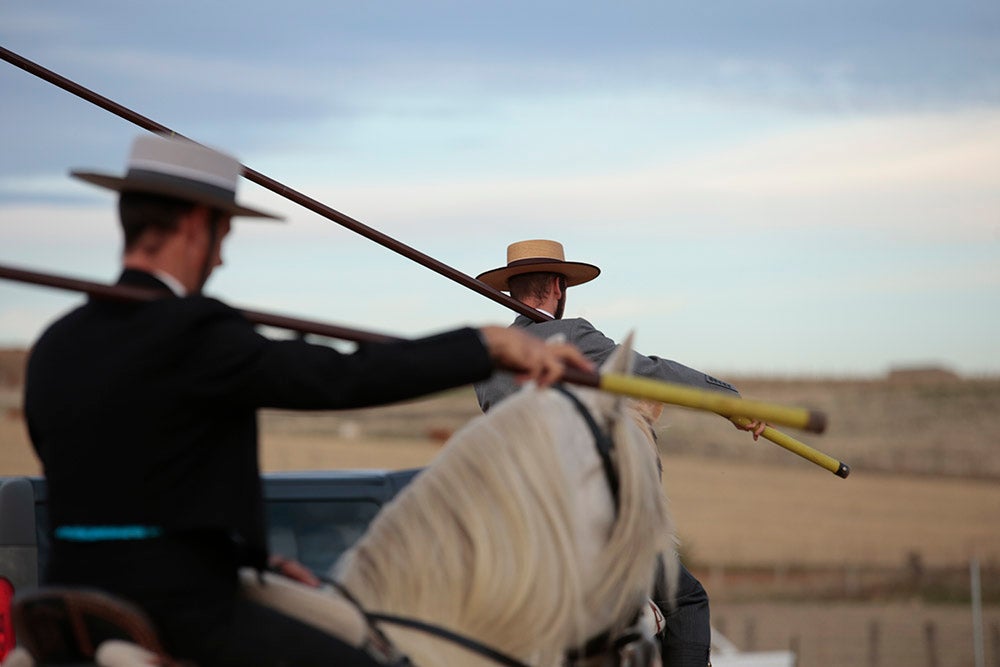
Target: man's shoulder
{"x": 60, "y": 328}
{"x": 198, "y": 315}
{"x": 564, "y": 324}
{"x": 169, "y": 314}
{"x": 199, "y": 303}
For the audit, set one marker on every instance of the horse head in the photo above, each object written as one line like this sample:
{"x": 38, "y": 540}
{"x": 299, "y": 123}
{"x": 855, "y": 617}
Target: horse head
{"x": 521, "y": 536}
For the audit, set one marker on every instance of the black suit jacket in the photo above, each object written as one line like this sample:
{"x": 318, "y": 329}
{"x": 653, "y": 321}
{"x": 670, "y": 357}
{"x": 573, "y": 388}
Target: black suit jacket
{"x": 145, "y": 413}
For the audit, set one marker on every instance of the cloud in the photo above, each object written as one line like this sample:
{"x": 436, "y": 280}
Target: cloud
{"x": 741, "y": 155}
{"x": 847, "y": 55}
{"x": 863, "y": 153}
{"x": 917, "y": 175}
{"x": 32, "y": 225}
{"x": 632, "y": 307}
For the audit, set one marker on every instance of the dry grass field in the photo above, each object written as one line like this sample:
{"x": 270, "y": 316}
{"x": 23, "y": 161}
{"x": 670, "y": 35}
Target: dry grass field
{"x": 869, "y": 570}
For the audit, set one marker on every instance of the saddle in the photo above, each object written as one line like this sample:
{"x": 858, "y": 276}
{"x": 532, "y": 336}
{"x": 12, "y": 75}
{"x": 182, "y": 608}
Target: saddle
{"x": 75, "y": 626}
{"x": 80, "y": 625}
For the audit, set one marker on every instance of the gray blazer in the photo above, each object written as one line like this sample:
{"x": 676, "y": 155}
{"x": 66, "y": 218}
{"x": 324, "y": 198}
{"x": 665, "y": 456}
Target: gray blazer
{"x": 597, "y": 347}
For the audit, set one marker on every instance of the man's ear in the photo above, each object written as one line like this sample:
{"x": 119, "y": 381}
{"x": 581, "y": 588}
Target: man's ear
{"x": 191, "y": 221}
{"x": 187, "y": 224}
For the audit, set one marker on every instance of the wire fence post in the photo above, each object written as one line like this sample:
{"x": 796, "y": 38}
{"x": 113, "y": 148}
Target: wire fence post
{"x": 750, "y": 634}
{"x": 995, "y": 642}
{"x": 977, "y": 612}
{"x": 930, "y": 635}
{"x": 873, "y": 643}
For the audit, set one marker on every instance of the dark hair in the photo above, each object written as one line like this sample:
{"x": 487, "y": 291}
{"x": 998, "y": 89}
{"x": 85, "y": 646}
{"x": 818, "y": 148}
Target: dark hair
{"x": 141, "y": 211}
{"x": 533, "y": 285}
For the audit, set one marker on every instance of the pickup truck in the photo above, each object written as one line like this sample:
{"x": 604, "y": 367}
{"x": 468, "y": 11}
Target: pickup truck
{"x": 312, "y": 517}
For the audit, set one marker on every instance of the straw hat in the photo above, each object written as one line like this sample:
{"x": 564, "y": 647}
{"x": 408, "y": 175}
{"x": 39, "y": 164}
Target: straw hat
{"x": 180, "y": 168}
{"x": 538, "y": 255}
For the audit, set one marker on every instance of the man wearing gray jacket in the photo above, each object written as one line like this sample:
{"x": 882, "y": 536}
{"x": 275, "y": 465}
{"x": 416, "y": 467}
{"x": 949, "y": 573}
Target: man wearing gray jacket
{"x": 538, "y": 275}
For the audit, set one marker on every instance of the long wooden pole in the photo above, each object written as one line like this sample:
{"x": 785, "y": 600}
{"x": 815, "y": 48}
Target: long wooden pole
{"x": 132, "y": 293}
{"x": 614, "y": 383}
{"x": 310, "y": 203}
{"x": 279, "y": 188}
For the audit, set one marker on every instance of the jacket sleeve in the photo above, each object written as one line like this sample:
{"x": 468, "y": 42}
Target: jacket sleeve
{"x": 238, "y": 366}
{"x": 598, "y": 347}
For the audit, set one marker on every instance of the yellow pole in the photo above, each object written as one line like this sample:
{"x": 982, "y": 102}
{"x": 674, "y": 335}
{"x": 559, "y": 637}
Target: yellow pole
{"x": 740, "y": 411}
{"x": 838, "y": 468}
{"x": 728, "y": 406}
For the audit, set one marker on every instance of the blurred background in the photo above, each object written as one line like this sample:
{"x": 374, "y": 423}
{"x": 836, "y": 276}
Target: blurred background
{"x": 800, "y": 197}
{"x": 897, "y": 564}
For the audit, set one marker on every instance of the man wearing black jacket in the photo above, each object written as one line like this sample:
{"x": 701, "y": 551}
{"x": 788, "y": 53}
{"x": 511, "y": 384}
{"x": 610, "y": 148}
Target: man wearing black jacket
{"x": 144, "y": 416}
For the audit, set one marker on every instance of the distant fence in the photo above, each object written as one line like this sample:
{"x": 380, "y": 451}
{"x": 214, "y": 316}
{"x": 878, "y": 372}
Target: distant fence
{"x": 912, "y": 580}
{"x": 860, "y": 635}
{"x": 863, "y": 617}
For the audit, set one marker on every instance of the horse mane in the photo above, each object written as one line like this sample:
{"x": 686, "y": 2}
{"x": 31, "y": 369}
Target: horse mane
{"x": 485, "y": 541}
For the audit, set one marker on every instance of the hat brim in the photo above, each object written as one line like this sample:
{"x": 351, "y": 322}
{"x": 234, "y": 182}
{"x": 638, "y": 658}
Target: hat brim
{"x": 178, "y": 189}
{"x": 576, "y": 273}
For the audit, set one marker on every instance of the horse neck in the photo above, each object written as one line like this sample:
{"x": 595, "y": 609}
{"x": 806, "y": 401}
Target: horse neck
{"x": 497, "y": 518}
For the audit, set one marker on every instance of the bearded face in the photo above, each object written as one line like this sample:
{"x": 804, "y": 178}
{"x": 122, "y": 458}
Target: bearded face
{"x": 561, "y": 305}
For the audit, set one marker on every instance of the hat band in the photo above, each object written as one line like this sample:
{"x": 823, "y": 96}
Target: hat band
{"x": 534, "y": 260}
{"x": 136, "y": 179}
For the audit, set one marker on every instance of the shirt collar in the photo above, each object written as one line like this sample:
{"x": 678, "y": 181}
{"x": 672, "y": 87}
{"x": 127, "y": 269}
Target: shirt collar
{"x": 175, "y": 285}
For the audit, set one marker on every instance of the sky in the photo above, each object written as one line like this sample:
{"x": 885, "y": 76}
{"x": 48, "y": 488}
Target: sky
{"x": 769, "y": 187}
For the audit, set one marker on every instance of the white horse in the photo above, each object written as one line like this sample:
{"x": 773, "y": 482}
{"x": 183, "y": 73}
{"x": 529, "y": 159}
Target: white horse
{"x": 518, "y": 545}
{"x": 513, "y": 538}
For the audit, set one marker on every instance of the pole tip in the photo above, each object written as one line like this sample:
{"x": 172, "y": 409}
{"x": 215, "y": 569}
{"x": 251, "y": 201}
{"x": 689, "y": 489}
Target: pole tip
{"x": 816, "y": 423}
{"x": 843, "y": 471}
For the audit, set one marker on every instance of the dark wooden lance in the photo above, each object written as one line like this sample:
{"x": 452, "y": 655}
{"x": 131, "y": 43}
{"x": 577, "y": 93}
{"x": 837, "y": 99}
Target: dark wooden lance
{"x": 737, "y": 409}
{"x": 279, "y": 188}
{"x": 687, "y": 396}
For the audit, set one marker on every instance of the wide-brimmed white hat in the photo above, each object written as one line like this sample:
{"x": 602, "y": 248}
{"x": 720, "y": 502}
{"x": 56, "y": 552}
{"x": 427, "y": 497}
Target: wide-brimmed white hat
{"x": 180, "y": 168}
{"x": 538, "y": 255}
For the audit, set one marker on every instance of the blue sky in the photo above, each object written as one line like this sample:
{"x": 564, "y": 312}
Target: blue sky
{"x": 769, "y": 187}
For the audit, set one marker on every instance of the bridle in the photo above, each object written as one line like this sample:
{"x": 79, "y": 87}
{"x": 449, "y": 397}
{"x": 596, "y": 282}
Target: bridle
{"x": 380, "y": 644}
{"x": 594, "y": 646}
{"x": 603, "y": 641}
{"x": 602, "y": 441}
